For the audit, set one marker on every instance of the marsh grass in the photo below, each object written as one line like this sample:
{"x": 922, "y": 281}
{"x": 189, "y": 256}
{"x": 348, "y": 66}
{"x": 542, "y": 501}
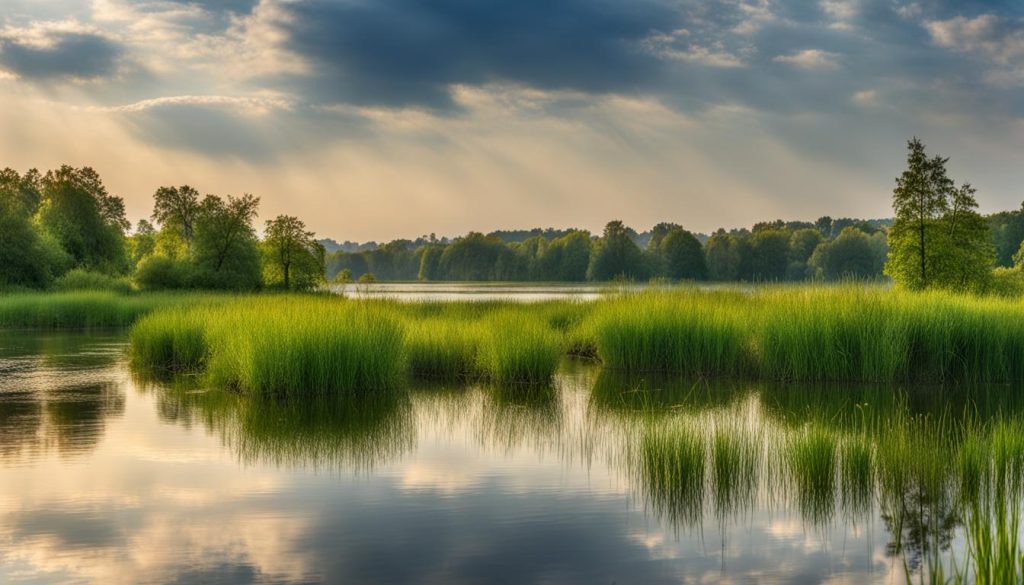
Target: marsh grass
{"x": 672, "y": 469}
{"x": 812, "y": 465}
{"x": 89, "y": 309}
{"x": 518, "y": 349}
{"x": 693, "y": 332}
{"x": 844, "y": 333}
{"x": 443, "y": 349}
{"x": 735, "y": 460}
{"x": 857, "y": 472}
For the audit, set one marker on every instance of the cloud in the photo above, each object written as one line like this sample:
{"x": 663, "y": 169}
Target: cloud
{"x": 810, "y": 59}
{"x": 407, "y": 53}
{"x": 58, "y": 50}
{"x": 999, "y": 39}
{"x": 239, "y": 104}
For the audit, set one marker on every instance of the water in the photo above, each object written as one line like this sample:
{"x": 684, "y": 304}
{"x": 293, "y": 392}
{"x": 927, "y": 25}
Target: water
{"x": 106, "y": 477}
{"x": 476, "y": 291}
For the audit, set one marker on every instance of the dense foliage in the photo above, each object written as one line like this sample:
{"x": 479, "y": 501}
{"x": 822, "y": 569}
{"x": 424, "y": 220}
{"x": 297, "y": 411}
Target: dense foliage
{"x": 64, "y": 231}
{"x": 66, "y": 220}
{"x": 938, "y": 239}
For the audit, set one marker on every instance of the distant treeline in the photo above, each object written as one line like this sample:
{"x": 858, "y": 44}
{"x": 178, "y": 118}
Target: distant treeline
{"x": 826, "y": 249}
{"x": 63, "y": 230}
{"x": 771, "y": 251}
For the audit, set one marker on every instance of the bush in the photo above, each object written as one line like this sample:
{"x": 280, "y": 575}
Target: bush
{"x": 1007, "y": 282}
{"x": 80, "y": 279}
{"x": 162, "y": 273}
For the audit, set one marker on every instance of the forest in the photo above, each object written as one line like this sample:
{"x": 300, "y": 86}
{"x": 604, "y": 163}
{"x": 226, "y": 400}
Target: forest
{"x": 62, "y": 230}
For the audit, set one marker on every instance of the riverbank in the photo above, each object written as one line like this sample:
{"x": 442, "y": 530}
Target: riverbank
{"x": 321, "y": 343}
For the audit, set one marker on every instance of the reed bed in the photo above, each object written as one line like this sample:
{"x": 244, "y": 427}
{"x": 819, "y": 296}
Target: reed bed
{"x": 317, "y": 344}
{"x": 89, "y": 309}
{"x": 818, "y": 334}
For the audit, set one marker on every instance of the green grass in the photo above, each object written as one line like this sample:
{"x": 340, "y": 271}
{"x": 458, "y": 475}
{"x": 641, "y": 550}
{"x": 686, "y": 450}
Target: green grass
{"x": 811, "y": 454}
{"x": 805, "y": 333}
{"x": 518, "y": 349}
{"x": 443, "y": 349}
{"x": 693, "y": 332}
{"x": 845, "y": 333}
{"x": 672, "y": 469}
{"x": 310, "y": 345}
{"x": 88, "y": 309}
{"x": 735, "y": 465}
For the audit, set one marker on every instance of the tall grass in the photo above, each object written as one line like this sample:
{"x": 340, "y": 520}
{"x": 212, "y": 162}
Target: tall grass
{"x": 812, "y": 464}
{"x": 311, "y": 345}
{"x": 279, "y": 345}
{"x": 694, "y": 332}
{"x": 519, "y": 349}
{"x": 672, "y": 469}
{"x": 848, "y": 333}
{"x": 88, "y": 309}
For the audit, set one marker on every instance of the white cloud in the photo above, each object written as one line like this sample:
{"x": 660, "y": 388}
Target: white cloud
{"x": 998, "y": 40}
{"x": 810, "y": 59}
{"x": 987, "y": 34}
{"x": 675, "y": 46}
{"x": 252, "y": 105}
{"x": 867, "y": 97}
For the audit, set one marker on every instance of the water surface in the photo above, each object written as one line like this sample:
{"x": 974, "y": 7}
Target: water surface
{"x": 109, "y": 477}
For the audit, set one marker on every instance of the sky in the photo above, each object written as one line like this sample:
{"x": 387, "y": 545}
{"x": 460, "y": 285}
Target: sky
{"x": 380, "y": 119}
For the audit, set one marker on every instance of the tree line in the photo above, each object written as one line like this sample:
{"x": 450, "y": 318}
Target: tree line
{"x": 62, "y": 229}
{"x": 937, "y": 239}
{"x": 770, "y": 251}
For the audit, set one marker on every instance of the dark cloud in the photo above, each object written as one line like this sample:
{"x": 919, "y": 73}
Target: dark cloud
{"x": 78, "y": 55}
{"x": 409, "y": 52}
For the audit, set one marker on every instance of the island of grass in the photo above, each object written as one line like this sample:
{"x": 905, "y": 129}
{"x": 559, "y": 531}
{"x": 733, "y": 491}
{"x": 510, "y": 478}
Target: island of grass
{"x": 315, "y": 344}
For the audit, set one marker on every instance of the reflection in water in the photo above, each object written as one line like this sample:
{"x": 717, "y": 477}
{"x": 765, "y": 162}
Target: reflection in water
{"x": 598, "y": 478}
{"x": 57, "y": 392}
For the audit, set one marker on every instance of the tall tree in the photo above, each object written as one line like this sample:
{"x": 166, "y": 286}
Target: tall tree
{"x": 682, "y": 255}
{"x": 937, "y": 239}
{"x": 293, "y": 256}
{"x": 87, "y": 222}
{"x": 178, "y": 208}
{"x": 225, "y": 252}
{"x": 769, "y": 254}
{"x": 617, "y": 255}
{"x": 27, "y": 258}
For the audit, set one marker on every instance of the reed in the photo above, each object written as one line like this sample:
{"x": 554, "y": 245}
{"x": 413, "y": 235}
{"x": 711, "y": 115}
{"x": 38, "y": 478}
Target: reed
{"x": 519, "y": 349}
{"x": 88, "y": 309}
{"x": 672, "y": 469}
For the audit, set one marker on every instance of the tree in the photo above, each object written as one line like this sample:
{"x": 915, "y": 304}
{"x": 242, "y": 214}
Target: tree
{"x": 27, "y": 258}
{"x": 617, "y": 255}
{"x": 142, "y": 243}
{"x": 430, "y": 262}
{"x": 473, "y": 257}
{"x": 937, "y": 240}
{"x": 658, "y": 233}
{"x": 802, "y": 244}
{"x": 225, "y": 249}
{"x": 293, "y": 257}
{"x": 724, "y": 257}
{"x": 769, "y": 254}
{"x": 850, "y": 255}
{"x": 1007, "y": 229}
{"x": 970, "y": 255}
{"x": 87, "y": 222}
{"x": 178, "y": 208}
{"x": 682, "y": 255}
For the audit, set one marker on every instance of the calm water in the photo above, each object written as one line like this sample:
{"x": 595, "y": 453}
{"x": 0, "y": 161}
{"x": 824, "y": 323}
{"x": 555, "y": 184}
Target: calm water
{"x": 476, "y": 291}
{"x": 107, "y": 478}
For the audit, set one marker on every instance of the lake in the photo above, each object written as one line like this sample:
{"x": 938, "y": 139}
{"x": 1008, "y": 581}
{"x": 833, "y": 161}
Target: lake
{"x": 107, "y": 476}
{"x": 476, "y": 291}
